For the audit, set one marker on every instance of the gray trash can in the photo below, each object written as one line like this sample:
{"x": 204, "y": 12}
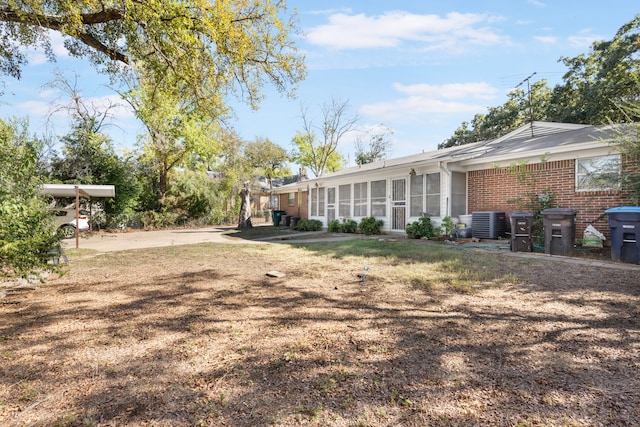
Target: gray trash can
{"x": 559, "y": 231}
{"x": 521, "y": 226}
{"x": 294, "y": 221}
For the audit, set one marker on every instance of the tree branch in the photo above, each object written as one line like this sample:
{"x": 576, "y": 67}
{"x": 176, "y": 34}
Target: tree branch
{"x": 57, "y": 24}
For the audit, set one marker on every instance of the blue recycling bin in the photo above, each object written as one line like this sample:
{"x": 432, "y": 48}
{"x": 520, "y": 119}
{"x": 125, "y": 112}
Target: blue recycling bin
{"x": 624, "y": 222}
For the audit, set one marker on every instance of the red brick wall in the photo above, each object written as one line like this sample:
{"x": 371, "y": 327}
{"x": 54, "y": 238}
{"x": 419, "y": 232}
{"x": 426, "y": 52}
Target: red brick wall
{"x": 301, "y": 206}
{"x": 490, "y": 190}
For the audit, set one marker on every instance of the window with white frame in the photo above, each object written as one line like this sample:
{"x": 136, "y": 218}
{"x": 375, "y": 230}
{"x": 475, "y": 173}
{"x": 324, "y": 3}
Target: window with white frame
{"x": 598, "y": 173}
{"x": 360, "y": 199}
{"x": 433, "y": 194}
{"x": 416, "y": 196}
{"x": 344, "y": 200}
{"x": 379, "y": 198}
{"x": 292, "y": 199}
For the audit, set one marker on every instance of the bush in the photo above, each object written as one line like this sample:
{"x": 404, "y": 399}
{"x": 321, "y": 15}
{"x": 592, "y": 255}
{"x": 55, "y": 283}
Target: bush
{"x": 370, "y": 225}
{"x": 422, "y": 228}
{"x": 346, "y": 226}
{"x": 309, "y": 225}
{"x": 448, "y": 226}
{"x": 27, "y": 231}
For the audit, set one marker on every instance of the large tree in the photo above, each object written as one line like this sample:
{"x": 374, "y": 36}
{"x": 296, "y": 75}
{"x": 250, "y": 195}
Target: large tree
{"x": 594, "y": 89}
{"x": 520, "y": 107}
{"x": 214, "y": 47}
{"x": 599, "y": 82}
{"x": 319, "y": 153}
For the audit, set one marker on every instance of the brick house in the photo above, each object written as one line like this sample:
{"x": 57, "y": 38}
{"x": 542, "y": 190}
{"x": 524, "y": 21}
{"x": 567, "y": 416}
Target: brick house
{"x": 574, "y": 163}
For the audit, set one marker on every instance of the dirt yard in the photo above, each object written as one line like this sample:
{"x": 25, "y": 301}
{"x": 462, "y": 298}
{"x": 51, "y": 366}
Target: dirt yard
{"x": 200, "y": 335}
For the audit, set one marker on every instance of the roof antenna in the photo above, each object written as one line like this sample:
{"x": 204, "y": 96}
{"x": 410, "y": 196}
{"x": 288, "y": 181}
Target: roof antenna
{"x": 529, "y": 96}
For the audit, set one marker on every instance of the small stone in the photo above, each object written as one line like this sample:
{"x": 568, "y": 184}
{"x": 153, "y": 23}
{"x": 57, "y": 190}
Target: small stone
{"x": 275, "y": 273}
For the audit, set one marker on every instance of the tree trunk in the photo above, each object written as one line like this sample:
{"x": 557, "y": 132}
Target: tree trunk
{"x": 245, "y": 208}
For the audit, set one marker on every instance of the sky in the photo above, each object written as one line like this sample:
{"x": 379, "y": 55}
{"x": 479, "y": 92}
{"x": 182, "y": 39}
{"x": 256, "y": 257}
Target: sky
{"x": 419, "y": 68}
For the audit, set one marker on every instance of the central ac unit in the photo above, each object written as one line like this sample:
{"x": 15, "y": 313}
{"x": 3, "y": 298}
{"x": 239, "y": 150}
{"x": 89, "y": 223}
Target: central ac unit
{"x": 488, "y": 225}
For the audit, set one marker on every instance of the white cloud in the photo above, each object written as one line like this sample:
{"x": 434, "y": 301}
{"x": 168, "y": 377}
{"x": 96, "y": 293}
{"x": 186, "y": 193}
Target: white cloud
{"x": 46, "y": 106}
{"x": 34, "y": 108}
{"x": 395, "y": 28}
{"x": 584, "y": 39}
{"x": 582, "y": 42}
{"x": 424, "y": 99}
{"x": 537, "y": 3}
{"x": 449, "y": 91}
{"x": 546, "y": 39}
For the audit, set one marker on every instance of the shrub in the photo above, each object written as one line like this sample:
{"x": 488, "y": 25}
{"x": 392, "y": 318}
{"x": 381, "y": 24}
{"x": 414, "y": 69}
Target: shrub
{"x": 349, "y": 226}
{"x": 448, "y": 226}
{"x": 27, "y": 231}
{"x": 422, "y": 228}
{"x": 370, "y": 225}
{"x": 346, "y": 226}
{"x": 334, "y": 226}
{"x": 309, "y": 225}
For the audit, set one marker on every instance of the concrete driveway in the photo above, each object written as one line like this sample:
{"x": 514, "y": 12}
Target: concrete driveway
{"x": 119, "y": 241}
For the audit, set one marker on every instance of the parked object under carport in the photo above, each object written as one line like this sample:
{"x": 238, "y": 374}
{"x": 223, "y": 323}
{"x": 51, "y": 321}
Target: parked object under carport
{"x": 624, "y": 222}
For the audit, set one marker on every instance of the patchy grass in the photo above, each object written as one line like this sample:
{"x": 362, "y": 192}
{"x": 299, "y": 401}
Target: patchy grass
{"x": 199, "y": 335}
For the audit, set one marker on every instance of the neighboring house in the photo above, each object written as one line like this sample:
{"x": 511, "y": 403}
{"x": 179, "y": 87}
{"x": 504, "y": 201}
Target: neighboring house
{"x": 472, "y": 178}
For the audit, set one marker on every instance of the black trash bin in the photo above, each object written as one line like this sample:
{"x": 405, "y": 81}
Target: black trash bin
{"x": 559, "y": 231}
{"x": 286, "y": 220}
{"x": 276, "y": 216}
{"x": 624, "y": 222}
{"x": 293, "y": 221}
{"x": 521, "y": 226}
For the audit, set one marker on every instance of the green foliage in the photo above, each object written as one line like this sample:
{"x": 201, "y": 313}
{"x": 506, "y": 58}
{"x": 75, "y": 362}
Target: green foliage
{"x": 191, "y": 196}
{"x": 503, "y": 119}
{"x": 319, "y": 152}
{"x": 213, "y": 47}
{"x": 534, "y": 200}
{"x": 90, "y": 158}
{"x": 27, "y": 232}
{"x": 370, "y": 225}
{"x": 307, "y": 151}
{"x": 347, "y": 225}
{"x": 448, "y": 226}
{"x": 267, "y": 159}
{"x": 599, "y": 81}
{"x": 309, "y": 225}
{"x": 333, "y": 226}
{"x": 423, "y": 228}
{"x": 626, "y": 139}
{"x": 596, "y": 84}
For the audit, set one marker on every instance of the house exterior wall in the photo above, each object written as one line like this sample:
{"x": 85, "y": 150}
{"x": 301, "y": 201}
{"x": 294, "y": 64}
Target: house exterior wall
{"x": 301, "y": 204}
{"x": 491, "y": 190}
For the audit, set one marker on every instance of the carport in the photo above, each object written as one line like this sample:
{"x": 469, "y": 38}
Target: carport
{"x": 76, "y": 190}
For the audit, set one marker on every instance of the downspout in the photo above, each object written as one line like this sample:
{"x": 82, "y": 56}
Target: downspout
{"x": 443, "y": 167}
